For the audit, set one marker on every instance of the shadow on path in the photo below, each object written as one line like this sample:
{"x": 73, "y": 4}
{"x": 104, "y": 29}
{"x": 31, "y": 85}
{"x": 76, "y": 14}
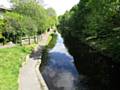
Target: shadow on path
{"x": 37, "y": 54}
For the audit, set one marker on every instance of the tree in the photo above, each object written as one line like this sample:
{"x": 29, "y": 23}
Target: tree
{"x": 52, "y": 17}
{"x": 95, "y": 24}
{"x": 35, "y": 11}
{"x": 12, "y": 26}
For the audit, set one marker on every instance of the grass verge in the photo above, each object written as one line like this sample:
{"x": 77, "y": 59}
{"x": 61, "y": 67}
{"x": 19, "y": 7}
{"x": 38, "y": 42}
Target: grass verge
{"x": 10, "y": 62}
{"x": 52, "y": 41}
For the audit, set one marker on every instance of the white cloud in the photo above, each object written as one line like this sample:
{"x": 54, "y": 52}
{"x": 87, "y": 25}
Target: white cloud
{"x": 61, "y": 6}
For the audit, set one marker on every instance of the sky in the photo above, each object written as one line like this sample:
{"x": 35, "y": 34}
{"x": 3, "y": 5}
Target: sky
{"x": 5, "y": 3}
{"x": 60, "y": 6}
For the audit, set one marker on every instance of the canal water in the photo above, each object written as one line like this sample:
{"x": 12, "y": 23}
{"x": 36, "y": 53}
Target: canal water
{"x": 59, "y": 70}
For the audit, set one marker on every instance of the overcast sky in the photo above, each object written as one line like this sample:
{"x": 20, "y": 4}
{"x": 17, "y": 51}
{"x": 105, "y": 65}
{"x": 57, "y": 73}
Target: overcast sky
{"x": 60, "y": 6}
{"x": 5, "y": 3}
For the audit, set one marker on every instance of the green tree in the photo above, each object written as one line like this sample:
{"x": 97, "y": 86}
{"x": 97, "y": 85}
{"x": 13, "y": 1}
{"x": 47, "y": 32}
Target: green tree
{"x": 95, "y": 24}
{"x": 52, "y": 17}
{"x": 35, "y": 11}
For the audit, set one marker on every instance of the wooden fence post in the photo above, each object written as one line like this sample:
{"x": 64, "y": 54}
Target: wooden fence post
{"x": 29, "y": 40}
{"x": 20, "y": 40}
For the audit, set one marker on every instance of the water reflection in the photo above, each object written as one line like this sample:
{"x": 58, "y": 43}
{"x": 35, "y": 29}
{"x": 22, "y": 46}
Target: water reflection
{"x": 60, "y": 72}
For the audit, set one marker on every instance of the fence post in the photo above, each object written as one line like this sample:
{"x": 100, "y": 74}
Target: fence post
{"x": 29, "y": 40}
{"x": 3, "y": 41}
{"x": 20, "y": 40}
{"x": 35, "y": 39}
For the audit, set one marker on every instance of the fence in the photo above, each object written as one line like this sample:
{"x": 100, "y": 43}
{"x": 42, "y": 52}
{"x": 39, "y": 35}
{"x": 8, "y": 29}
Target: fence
{"x": 29, "y": 40}
{"x": 23, "y": 41}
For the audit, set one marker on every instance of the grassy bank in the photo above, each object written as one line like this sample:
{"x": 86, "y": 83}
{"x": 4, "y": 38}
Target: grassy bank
{"x": 52, "y": 41}
{"x": 50, "y": 44}
{"x": 10, "y": 62}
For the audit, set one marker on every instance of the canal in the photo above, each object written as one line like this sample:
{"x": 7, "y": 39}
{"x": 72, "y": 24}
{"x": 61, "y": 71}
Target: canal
{"x": 59, "y": 70}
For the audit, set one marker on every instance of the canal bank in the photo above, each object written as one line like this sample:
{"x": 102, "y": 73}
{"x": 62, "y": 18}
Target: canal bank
{"x": 101, "y": 71}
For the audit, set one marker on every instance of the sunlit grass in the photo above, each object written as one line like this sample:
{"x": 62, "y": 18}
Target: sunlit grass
{"x": 52, "y": 41}
{"x": 49, "y": 39}
{"x": 10, "y": 62}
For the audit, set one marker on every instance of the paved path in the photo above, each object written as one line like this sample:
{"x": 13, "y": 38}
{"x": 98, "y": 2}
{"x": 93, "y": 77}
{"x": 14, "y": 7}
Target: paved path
{"x": 9, "y": 45}
{"x": 28, "y": 77}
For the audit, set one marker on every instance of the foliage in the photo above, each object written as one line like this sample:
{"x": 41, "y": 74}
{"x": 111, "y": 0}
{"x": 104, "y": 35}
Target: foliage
{"x": 16, "y": 25}
{"x": 1, "y": 24}
{"x": 36, "y": 12}
{"x": 52, "y": 19}
{"x": 1, "y": 27}
{"x": 95, "y": 24}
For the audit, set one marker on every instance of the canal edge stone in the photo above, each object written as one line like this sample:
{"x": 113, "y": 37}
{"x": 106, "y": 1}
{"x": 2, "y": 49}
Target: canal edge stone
{"x": 38, "y": 73}
{"x": 40, "y": 77}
